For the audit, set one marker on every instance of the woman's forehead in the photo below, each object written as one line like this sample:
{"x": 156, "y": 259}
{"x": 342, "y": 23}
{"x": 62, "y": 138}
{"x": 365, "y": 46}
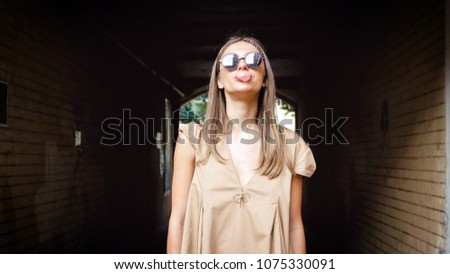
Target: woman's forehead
{"x": 240, "y": 47}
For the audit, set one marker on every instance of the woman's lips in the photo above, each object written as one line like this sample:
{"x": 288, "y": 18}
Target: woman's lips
{"x": 243, "y": 76}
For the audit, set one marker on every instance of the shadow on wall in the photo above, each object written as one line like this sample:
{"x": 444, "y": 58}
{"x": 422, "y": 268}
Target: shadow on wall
{"x": 118, "y": 241}
{"x": 323, "y": 211}
{"x": 136, "y": 223}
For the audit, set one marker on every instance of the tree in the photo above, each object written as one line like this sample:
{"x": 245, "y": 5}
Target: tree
{"x": 288, "y": 108}
{"x": 194, "y": 110}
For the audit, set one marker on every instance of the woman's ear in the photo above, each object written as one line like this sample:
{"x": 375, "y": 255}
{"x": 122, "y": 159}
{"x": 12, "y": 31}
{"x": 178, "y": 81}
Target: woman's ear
{"x": 219, "y": 84}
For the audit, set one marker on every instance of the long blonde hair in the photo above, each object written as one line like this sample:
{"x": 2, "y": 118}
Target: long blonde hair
{"x": 273, "y": 145}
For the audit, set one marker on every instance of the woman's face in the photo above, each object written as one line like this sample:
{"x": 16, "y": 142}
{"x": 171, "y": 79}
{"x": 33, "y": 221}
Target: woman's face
{"x": 242, "y": 79}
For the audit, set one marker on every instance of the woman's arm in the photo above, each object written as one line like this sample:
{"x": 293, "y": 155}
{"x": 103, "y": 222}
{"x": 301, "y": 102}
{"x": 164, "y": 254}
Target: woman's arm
{"x": 183, "y": 171}
{"x": 296, "y": 230}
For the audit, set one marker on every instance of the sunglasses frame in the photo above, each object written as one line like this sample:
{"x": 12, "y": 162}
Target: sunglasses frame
{"x": 236, "y": 64}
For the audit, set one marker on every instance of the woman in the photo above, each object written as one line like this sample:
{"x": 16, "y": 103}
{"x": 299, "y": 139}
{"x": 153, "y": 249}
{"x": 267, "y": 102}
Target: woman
{"x": 237, "y": 182}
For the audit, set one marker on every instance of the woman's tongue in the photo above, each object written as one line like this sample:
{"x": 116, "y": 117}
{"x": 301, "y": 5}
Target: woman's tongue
{"x": 243, "y": 76}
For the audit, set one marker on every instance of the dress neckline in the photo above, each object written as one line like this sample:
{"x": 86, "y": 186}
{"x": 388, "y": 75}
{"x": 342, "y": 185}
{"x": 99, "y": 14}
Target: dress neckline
{"x": 233, "y": 166}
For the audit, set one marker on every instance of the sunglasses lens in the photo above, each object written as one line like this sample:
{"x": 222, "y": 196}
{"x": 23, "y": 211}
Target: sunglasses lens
{"x": 253, "y": 60}
{"x": 230, "y": 61}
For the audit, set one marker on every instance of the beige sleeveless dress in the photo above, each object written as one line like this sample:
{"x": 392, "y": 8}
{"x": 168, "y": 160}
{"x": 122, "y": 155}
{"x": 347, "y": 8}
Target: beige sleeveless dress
{"x": 224, "y": 216}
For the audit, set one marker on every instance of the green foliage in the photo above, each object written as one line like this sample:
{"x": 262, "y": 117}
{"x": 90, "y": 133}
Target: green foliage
{"x": 194, "y": 110}
{"x": 288, "y": 108}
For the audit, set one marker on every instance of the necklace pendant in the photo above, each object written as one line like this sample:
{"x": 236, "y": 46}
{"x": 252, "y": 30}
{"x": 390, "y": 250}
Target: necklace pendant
{"x": 241, "y": 198}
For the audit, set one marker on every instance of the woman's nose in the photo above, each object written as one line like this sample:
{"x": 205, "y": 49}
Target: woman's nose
{"x": 242, "y": 64}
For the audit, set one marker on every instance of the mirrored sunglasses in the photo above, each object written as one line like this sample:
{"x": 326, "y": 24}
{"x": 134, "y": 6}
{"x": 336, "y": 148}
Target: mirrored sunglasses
{"x": 231, "y": 61}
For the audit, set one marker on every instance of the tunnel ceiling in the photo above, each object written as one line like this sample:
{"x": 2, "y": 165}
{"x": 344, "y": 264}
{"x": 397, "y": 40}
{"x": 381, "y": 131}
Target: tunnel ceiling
{"x": 180, "y": 40}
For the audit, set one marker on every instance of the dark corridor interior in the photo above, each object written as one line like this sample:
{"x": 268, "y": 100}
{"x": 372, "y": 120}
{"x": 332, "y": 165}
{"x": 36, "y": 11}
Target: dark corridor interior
{"x": 307, "y": 41}
{"x": 86, "y": 62}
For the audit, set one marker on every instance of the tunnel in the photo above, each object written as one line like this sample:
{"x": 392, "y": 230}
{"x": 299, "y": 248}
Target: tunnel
{"x": 90, "y": 100}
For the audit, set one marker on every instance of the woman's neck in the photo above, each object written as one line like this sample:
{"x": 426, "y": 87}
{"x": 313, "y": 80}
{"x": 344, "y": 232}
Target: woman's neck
{"x": 241, "y": 110}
